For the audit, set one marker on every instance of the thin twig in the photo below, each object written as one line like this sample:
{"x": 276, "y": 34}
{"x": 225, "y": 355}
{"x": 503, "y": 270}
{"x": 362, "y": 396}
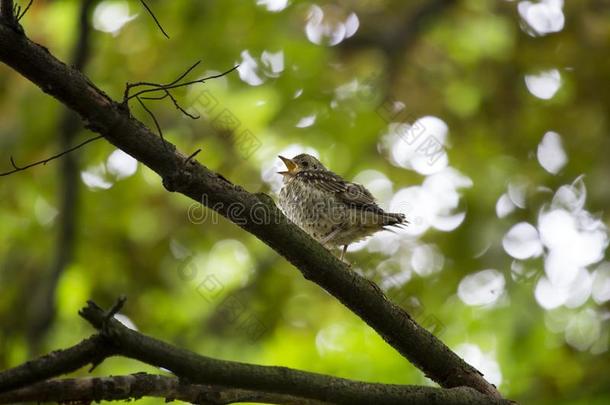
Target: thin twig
{"x": 182, "y": 76}
{"x": 130, "y": 86}
{"x": 192, "y": 156}
{"x": 165, "y": 88}
{"x": 175, "y": 85}
{"x": 154, "y": 120}
{"x": 157, "y": 86}
{"x": 47, "y": 160}
{"x": 155, "y": 98}
{"x": 118, "y": 305}
{"x": 16, "y": 10}
{"x": 154, "y": 18}
{"x": 182, "y": 110}
{"x": 19, "y": 15}
{"x": 176, "y": 104}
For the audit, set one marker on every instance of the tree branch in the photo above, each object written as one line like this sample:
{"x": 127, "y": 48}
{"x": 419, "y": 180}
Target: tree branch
{"x": 259, "y": 382}
{"x": 91, "y": 350}
{"x": 194, "y": 180}
{"x": 88, "y": 389}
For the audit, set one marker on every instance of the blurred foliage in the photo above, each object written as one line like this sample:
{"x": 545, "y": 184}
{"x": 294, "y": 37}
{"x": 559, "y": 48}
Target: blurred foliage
{"x": 185, "y": 271}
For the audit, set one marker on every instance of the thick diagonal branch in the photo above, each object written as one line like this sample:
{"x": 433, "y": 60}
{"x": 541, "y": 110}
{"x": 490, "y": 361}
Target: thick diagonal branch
{"x": 255, "y": 213}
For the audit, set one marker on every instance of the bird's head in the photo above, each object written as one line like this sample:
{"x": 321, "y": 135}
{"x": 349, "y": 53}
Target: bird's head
{"x": 300, "y": 163}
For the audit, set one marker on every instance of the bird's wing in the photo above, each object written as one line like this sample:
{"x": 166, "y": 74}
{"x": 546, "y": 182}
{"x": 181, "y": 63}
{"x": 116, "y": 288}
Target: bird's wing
{"x": 352, "y": 194}
{"x": 358, "y": 196}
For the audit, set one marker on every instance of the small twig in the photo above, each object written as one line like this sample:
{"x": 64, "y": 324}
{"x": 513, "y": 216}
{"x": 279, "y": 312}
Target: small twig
{"x": 95, "y": 362}
{"x": 47, "y": 160}
{"x": 155, "y": 98}
{"x": 192, "y": 156}
{"x": 165, "y": 88}
{"x": 171, "y": 97}
{"x": 16, "y": 10}
{"x": 154, "y": 120}
{"x": 14, "y": 164}
{"x": 173, "y": 85}
{"x": 106, "y": 322}
{"x": 130, "y": 86}
{"x": 183, "y": 75}
{"x": 154, "y": 18}
{"x": 118, "y": 305}
{"x": 18, "y": 14}
{"x": 182, "y": 110}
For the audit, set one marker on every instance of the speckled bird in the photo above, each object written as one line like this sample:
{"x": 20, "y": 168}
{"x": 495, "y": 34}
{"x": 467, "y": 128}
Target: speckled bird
{"x": 333, "y": 211}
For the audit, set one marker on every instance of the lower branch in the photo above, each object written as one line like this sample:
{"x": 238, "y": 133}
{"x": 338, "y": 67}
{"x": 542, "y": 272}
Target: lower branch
{"x": 89, "y": 351}
{"x": 139, "y": 385}
{"x": 260, "y": 383}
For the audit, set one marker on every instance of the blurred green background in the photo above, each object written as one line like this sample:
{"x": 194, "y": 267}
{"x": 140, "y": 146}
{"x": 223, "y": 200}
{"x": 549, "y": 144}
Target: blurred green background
{"x": 485, "y": 122}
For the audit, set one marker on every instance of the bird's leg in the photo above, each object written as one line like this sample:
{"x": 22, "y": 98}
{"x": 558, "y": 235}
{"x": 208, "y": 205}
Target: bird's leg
{"x": 329, "y": 237}
{"x": 343, "y": 252}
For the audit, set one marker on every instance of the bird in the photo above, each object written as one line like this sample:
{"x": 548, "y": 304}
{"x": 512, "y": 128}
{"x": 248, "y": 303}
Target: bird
{"x": 333, "y": 211}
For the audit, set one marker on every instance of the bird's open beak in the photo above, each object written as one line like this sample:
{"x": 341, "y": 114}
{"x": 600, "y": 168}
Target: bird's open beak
{"x": 290, "y": 165}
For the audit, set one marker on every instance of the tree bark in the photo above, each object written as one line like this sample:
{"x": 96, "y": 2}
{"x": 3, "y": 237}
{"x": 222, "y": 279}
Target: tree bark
{"x": 120, "y": 388}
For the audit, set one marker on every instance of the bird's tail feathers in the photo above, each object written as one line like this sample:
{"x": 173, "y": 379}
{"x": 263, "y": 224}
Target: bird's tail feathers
{"x": 394, "y": 219}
